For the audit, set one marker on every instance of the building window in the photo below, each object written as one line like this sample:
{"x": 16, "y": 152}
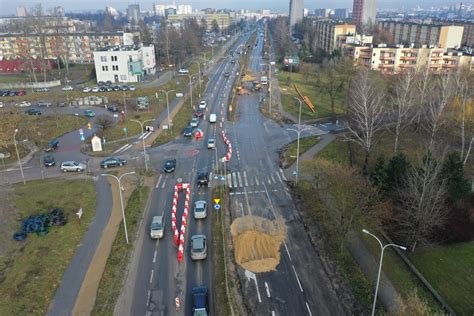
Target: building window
{"x": 103, "y": 58}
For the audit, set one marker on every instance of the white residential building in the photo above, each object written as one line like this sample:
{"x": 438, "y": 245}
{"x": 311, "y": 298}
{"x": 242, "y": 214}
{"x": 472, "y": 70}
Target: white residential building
{"x": 184, "y": 9}
{"x": 124, "y": 63}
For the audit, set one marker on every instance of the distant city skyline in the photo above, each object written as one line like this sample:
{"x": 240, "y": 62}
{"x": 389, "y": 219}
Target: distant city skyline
{"x": 9, "y": 7}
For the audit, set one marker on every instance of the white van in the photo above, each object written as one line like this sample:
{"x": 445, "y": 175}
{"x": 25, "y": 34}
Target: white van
{"x": 212, "y": 118}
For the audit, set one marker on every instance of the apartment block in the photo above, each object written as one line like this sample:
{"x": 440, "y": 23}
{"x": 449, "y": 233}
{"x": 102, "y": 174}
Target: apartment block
{"x": 223, "y": 19}
{"x": 327, "y": 33}
{"x": 124, "y": 63}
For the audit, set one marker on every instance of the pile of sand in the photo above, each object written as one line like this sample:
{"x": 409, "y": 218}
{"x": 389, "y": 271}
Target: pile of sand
{"x": 257, "y": 242}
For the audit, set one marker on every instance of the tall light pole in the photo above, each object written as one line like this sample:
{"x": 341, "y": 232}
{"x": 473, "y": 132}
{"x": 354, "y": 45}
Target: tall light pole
{"x": 167, "y": 105}
{"x": 199, "y": 72}
{"x": 190, "y": 88}
{"x": 382, "y": 247}
{"x": 143, "y": 139}
{"x": 18, "y": 155}
{"x": 121, "y": 197}
{"x": 298, "y": 132}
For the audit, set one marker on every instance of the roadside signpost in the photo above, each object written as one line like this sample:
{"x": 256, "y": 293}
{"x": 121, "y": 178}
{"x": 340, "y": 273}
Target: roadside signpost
{"x": 217, "y": 206}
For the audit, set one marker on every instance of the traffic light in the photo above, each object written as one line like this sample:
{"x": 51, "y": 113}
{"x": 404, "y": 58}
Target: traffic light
{"x": 89, "y": 125}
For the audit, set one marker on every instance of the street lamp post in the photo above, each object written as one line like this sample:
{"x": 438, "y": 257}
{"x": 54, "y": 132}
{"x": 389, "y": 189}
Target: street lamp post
{"x": 18, "y": 155}
{"x": 121, "y": 198}
{"x": 143, "y": 140}
{"x": 167, "y": 105}
{"x": 199, "y": 72}
{"x": 190, "y": 88}
{"x": 382, "y": 247}
{"x": 298, "y": 132}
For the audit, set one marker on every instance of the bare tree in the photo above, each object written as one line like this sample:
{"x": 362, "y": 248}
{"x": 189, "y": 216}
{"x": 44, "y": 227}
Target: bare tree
{"x": 422, "y": 202}
{"x": 423, "y": 87}
{"x": 9, "y": 121}
{"x": 403, "y": 102}
{"x": 364, "y": 112}
{"x": 438, "y": 101}
{"x": 104, "y": 122}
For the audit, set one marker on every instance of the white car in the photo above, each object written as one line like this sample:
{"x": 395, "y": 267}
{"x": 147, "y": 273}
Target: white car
{"x": 23, "y": 104}
{"x": 95, "y": 89}
{"x": 194, "y": 122}
{"x": 157, "y": 227}
{"x": 212, "y": 118}
{"x": 72, "y": 166}
{"x": 67, "y": 88}
{"x": 183, "y": 71}
{"x": 202, "y": 104}
{"x": 86, "y": 89}
{"x": 132, "y": 88}
{"x": 200, "y": 209}
{"x": 211, "y": 143}
{"x": 1, "y": 105}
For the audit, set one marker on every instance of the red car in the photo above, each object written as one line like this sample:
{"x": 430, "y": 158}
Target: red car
{"x": 21, "y": 92}
{"x": 199, "y": 113}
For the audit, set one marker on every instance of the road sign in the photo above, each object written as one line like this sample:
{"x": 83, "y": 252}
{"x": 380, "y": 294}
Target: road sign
{"x": 82, "y": 137}
{"x": 89, "y": 125}
{"x": 217, "y": 201}
{"x": 217, "y": 206}
{"x": 125, "y": 129}
{"x": 81, "y": 131}
{"x": 79, "y": 214}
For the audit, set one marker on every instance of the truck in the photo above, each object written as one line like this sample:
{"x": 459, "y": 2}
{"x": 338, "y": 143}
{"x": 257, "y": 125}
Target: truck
{"x": 264, "y": 80}
{"x": 142, "y": 103}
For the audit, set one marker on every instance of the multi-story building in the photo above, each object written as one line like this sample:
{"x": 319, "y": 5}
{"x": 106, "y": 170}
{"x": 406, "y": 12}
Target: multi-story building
{"x": 21, "y": 11}
{"x": 418, "y": 34}
{"x": 327, "y": 33}
{"x": 133, "y": 13}
{"x": 124, "y": 63}
{"x": 394, "y": 59}
{"x": 322, "y": 13}
{"x": 184, "y": 9}
{"x": 364, "y": 12}
{"x": 223, "y": 19}
{"x": 69, "y": 47}
{"x": 340, "y": 13}
{"x": 296, "y": 13}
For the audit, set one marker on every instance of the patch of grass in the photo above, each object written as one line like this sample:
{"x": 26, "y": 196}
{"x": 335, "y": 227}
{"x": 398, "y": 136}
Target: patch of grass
{"x": 320, "y": 100}
{"x": 35, "y": 272}
{"x": 180, "y": 121}
{"x": 335, "y": 151}
{"x": 450, "y": 270}
{"x": 305, "y": 144}
{"x": 13, "y": 78}
{"x": 112, "y": 279}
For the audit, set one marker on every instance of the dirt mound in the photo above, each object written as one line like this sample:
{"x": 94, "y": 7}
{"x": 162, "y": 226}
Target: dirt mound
{"x": 257, "y": 242}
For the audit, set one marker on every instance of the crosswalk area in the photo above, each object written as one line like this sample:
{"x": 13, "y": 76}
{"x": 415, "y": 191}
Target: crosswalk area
{"x": 250, "y": 180}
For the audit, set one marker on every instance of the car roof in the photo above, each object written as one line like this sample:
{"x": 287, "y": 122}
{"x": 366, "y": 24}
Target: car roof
{"x": 157, "y": 219}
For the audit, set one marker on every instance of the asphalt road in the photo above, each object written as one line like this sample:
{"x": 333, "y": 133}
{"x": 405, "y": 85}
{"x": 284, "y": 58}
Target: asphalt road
{"x": 160, "y": 279}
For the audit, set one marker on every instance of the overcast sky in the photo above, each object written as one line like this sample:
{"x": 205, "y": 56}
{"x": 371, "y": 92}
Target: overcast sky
{"x": 8, "y": 6}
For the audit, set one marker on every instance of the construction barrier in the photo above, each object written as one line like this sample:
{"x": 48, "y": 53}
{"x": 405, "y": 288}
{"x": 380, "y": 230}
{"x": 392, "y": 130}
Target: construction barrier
{"x": 229, "y": 148}
{"x": 179, "y": 234}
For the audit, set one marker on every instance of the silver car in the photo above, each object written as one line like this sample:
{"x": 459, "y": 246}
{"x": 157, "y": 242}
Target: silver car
{"x": 157, "y": 227}
{"x": 198, "y": 247}
{"x": 72, "y": 166}
{"x": 200, "y": 209}
{"x": 211, "y": 143}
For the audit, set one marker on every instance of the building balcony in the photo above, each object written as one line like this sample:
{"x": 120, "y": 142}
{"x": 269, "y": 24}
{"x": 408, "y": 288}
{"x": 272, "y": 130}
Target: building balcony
{"x": 384, "y": 66}
{"x": 386, "y": 57}
{"x": 449, "y": 66}
{"x": 408, "y": 57}
{"x": 409, "y": 51}
{"x": 435, "y": 65}
{"x": 365, "y": 56}
{"x": 406, "y": 65}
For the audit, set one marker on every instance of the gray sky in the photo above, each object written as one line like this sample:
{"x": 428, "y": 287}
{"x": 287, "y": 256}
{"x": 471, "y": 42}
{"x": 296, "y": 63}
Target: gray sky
{"x": 8, "y": 6}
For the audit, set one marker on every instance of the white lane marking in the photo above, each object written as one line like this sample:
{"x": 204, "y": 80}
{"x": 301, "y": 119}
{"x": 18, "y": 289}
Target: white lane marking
{"x": 270, "y": 201}
{"x": 234, "y": 179}
{"x": 120, "y": 149}
{"x": 231, "y": 193}
{"x": 247, "y": 200}
{"x": 251, "y": 275}
{"x": 282, "y": 174}
{"x": 287, "y": 251}
{"x": 159, "y": 180}
{"x": 240, "y": 180}
{"x": 267, "y": 289}
{"x": 245, "y": 179}
{"x": 273, "y": 179}
{"x": 163, "y": 185}
{"x": 238, "y": 193}
{"x": 229, "y": 181}
{"x": 154, "y": 256}
{"x": 148, "y": 298}
{"x": 309, "y": 310}
{"x": 297, "y": 279}
{"x": 151, "y": 275}
{"x": 256, "y": 181}
{"x": 241, "y": 208}
{"x": 269, "y": 181}
{"x": 278, "y": 176}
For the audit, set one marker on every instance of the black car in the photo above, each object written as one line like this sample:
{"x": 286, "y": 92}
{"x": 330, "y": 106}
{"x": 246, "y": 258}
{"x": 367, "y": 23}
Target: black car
{"x": 112, "y": 108}
{"x": 49, "y": 161}
{"x": 202, "y": 178}
{"x": 169, "y": 165}
{"x": 124, "y": 88}
{"x": 116, "y": 88}
{"x": 226, "y": 74}
{"x": 102, "y": 89}
{"x": 188, "y": 132}
{"x": 52, "y": 145}
{"x": 199, "y": 113}
{"x": 200, "y": 301}
{"x": 33, "y": 112}
{"x": 112, "y": 162}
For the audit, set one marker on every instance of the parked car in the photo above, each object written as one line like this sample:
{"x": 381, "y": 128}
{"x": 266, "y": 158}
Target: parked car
{"x": 43, "y": 103}
{"x": 67, "y": 88}
{"x": 188, "y": 132}
{"x": 198, "y": 247}
{"x": 183, "y": 71}
{"x": 203, "y": 178}
{"x": 112, "y": 108}
{"x": 200, "y": 301}
{"x": 202, "y": 104}
{"x": 124, "y": 88}
{"x": 200, "y": 209}
{"x": 170, "y": 165}
{"x": 101, "y": 83}
{"x": 72, "y": 166}
{"x": 44, "y": 89}
{"x": 2, "y": 105}
{"x": 23, "y": 104}
{"x": 112, "y": 162}
{"x": 226, "y": 74}
{"x": 49, "y": 161}
{"x": 116, "y": 88}
{"x": 86, "y": 89}
{"x": 102, "y": 89}
{"x": 194, "y": 122}
{"x": 95, "y": 89}
{"x": 52, "y": 145}
{"x": 211, "y": 143}
{"x": 33, "y": 112}
{"x": 132, "y": 88}
{"x": 109, "y": 88}
{"x": 233, "y": 61}
{"x": 157, "y": 227}
{"x": 89, "y": 113}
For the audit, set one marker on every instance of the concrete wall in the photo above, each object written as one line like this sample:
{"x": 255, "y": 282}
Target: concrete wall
{"x": 28, "y": 85}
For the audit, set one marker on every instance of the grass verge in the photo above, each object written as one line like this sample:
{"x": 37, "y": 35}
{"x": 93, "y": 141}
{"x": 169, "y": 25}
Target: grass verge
{"x": 112, "y": 279}
{"x": 289, "y": 154}
{"x": 31, "y": 275}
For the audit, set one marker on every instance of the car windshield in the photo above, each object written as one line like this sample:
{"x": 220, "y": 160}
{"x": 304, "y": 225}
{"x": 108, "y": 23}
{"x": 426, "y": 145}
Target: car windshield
{"x": 198, "y": 245}
{"x": 155, "y": 226}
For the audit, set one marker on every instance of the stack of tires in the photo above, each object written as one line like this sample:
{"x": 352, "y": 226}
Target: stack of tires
{"x": 40, "y": 224}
